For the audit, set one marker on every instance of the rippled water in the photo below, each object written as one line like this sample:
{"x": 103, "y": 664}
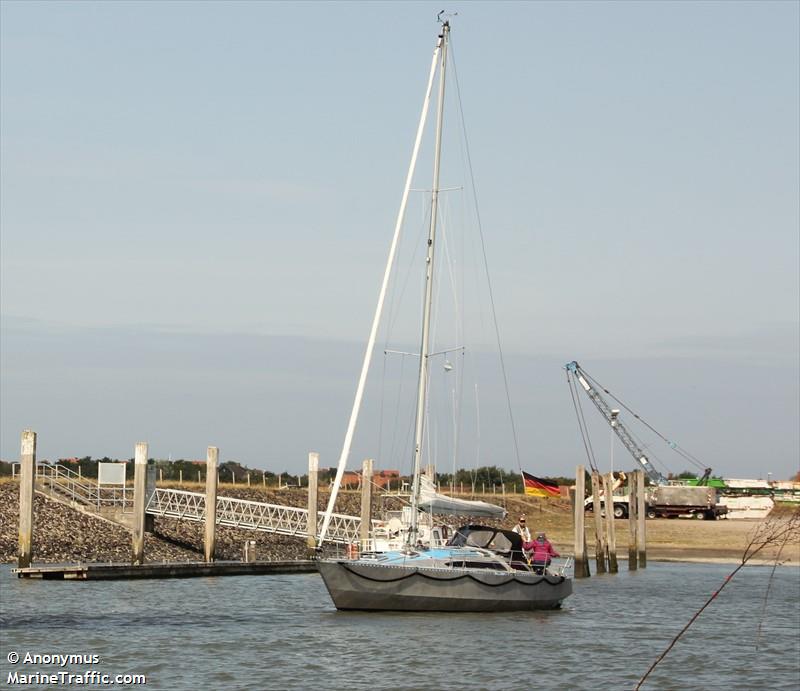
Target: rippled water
{"x": 282, "y": 632}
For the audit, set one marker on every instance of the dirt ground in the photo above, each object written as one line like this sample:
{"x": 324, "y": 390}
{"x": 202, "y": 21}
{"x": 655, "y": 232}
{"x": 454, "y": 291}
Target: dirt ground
{"x": 65, "y": 535}
{"x": 679, "y": 539}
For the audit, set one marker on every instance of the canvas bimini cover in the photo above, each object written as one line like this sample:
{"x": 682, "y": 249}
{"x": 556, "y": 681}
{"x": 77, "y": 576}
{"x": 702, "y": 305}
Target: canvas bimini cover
{"x": 431, "y": 501}
{"x": 504, "y": 542}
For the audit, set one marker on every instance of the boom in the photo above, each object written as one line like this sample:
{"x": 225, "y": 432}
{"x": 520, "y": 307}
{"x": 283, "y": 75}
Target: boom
{"x": 620, "y": 430}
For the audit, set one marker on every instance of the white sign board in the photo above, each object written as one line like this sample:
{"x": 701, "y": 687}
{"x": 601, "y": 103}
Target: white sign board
{"x": 111, "y": 473}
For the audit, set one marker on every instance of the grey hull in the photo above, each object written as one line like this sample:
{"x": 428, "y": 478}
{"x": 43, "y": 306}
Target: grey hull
{"x": 356, "y": 585}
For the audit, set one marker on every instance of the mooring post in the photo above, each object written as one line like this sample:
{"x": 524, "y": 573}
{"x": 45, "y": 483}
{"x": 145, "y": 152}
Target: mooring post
{"x": 608, "y": 483}
{"x": 139, "y": 498}
{"x": 210, "y": 541}
{"x": 366, "y": 504}
{"x": 633, "y": 507}
{"x": 149, "y": 491}
{"x": 641, "y": 535}
{"x": 600, "y": 542}
{"x": 581, "y": 562}
{"x": 313, "y": 483}
{"x": 27, "y": 477}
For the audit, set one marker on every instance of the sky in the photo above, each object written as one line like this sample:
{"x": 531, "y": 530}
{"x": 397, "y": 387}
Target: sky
{"x": 197, "y": 200}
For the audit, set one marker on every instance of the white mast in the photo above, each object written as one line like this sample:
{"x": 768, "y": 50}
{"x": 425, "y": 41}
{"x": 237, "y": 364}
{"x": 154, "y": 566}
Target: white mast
{"x": 348, "y": 439}
{"x": 422, "y": 385}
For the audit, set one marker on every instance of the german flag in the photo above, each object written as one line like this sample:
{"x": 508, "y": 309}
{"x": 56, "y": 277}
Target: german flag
{"x": 536, "y": 487}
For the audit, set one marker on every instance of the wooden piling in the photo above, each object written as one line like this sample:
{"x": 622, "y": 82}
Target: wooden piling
{"x": 633, "y": 507}
{"x": 27, "y": 477}
{"x": 600, "y": 541}
{"x": 366, "y": 503}
{"x": 641, "y": 535}
{"x": 313, "y": 481}
{"x": 149, "y": 490}
{"x": 581, "y": 561}
{"x": 210, "y": 536}
{"x": 608, "y": 500}
{"x": 139, "y": 499}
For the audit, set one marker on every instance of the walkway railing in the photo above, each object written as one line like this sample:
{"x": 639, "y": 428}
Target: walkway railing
{"x": 66, "y": 483}
{"x": 252, "y": 515}
{"x": 191, "y": 506}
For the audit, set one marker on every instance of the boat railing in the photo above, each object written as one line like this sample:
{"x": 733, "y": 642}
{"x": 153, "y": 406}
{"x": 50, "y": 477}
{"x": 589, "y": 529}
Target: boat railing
{"x": 561, "y": 567}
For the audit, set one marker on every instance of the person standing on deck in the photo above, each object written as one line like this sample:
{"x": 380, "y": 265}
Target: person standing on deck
{"x": 542, "y": 551}
{"x": 522, "y": 530}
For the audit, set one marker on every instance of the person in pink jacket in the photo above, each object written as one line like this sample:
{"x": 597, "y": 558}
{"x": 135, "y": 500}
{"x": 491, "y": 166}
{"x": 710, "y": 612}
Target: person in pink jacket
{"x": 541, "y": 552}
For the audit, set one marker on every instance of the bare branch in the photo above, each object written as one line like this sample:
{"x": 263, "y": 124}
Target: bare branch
{"x": 772, "y": 532}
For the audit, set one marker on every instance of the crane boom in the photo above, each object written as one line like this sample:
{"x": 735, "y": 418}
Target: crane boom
{"x": 610, "y": 415}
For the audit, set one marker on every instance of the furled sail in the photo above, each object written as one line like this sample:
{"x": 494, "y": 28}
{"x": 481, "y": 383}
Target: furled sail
{"x": 431, "y": 501}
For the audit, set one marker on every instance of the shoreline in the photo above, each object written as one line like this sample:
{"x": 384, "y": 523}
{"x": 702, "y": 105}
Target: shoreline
{"x": 689, "y": 559}
{"x": 64, "y": 535}
{"x": 620, "y": 558}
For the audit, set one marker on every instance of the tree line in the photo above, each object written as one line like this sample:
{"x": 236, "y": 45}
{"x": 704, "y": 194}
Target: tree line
{"x": 485, "y": 478}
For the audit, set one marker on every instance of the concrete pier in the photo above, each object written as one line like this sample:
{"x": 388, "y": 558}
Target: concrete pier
{"x": 210, "y": 536}
{"x": 149, "y": 490}
{"x": 139, "y": 499}
{"x": 581, "y": 561}
{"x": 26, "y": 479}
{"x": 633, "y": 508}
{"x": 95, "y": 572}
{"x": 608, "y": 502}
{"x": 366, "y": 503}
{"x": 313, "y": 484}
{"x": 641, "y": 534}
{"x": 600, "y": 541}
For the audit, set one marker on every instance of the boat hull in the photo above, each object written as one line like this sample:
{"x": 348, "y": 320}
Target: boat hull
{"x": 357, "y": 585}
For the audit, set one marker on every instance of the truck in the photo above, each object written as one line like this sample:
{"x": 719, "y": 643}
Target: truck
{"x": 663, "y": 498}
{"x": 670, "y": 501}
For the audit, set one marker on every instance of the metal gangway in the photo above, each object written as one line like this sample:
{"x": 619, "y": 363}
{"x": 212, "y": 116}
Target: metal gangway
{"x": 113, "y": 502}
{"x": 252, "y": 515}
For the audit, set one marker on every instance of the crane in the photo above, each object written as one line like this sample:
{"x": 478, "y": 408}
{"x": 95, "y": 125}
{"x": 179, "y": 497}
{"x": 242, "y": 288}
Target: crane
{"x": 611, "y": 416}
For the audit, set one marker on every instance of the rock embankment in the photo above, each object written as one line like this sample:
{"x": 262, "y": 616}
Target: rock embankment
{"x": 62, "y": 534}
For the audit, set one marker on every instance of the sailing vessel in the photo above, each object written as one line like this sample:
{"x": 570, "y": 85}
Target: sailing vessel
{"x": 478, "y": 568}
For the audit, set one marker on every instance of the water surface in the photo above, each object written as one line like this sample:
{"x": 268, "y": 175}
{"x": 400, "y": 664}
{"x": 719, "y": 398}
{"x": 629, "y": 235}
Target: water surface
{"x": 282, "y": 632}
